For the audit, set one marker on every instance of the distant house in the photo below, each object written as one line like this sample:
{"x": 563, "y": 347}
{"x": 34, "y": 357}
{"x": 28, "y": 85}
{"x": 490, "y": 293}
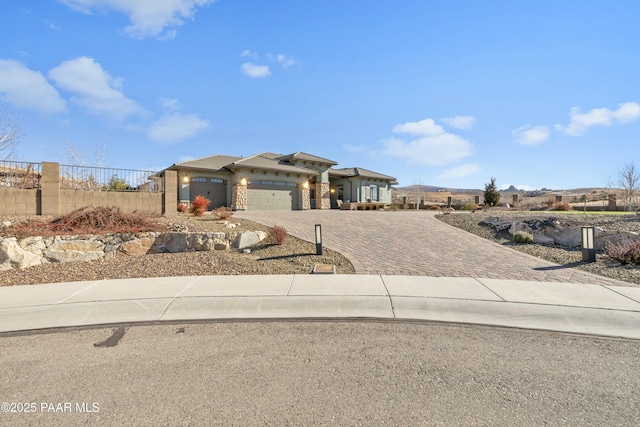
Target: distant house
{"x": 270, "y": 181}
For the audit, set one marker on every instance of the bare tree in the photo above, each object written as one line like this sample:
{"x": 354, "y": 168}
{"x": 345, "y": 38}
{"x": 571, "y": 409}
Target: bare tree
{"x": 10, "y": 133}
{"x": 629, "y": 180}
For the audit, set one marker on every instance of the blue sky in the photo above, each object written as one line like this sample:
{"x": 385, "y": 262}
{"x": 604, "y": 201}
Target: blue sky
{"x": 447, "y": 93}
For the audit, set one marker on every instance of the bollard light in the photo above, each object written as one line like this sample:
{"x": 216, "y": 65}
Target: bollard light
{"x": 588, "y": 248}
{"x": 318, "y": 239}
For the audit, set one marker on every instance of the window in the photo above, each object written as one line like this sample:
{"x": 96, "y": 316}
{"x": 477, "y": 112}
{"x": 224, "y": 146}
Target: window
{"x": 198, "y": 179}
{"x": 374, "y": 193}
{"x": 217, "y": 180}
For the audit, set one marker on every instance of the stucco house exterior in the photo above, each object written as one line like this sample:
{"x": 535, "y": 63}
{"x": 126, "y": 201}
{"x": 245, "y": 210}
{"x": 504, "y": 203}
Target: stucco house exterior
{"x": 270, "y": 181}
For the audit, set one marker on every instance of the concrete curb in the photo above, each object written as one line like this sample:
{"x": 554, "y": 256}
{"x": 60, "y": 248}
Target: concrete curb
{"x": 562, "y": 307}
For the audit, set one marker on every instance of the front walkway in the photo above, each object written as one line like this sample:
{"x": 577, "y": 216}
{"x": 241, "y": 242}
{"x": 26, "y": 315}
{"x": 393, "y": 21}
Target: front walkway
{"x": 416, "y": 243}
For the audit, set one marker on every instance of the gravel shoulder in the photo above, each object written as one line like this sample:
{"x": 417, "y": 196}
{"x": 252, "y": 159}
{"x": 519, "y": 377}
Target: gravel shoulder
{"x": 571, "y": 257}
{"x": 295, "y": 256}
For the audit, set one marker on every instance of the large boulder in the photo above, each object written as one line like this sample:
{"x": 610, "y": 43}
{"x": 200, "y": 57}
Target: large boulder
{"x": 245, "y": 239}
{"x": 565, "y": 236}
{"x": 13, "y": 256}
{"x": 176, "y": 242}
{"x": 74, "y": 250}
{"x": 140, "y": 246}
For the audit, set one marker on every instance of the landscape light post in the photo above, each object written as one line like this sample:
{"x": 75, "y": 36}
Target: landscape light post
{"x": 318, "y": 239}
{"x": 588, "y": 249}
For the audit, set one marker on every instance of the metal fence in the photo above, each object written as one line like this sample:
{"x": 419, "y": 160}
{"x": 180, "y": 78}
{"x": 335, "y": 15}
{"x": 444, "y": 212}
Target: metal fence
{"x": 25, "y": 175}
{"x": 91, "y": 178}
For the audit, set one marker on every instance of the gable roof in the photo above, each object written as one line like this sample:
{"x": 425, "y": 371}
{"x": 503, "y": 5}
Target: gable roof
{"x": 217, "y": 162}
{"x": 308, "y": 157}
{"x": 365, "y": 173}
{"x": 265, "y": 161}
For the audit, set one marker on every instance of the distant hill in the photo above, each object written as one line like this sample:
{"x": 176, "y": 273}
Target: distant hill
{"x": 433, "y": 189}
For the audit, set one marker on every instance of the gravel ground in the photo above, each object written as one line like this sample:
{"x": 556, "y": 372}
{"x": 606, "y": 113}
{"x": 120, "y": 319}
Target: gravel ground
{"x": 294, "y": 257}
{"x": 572, "y": 257}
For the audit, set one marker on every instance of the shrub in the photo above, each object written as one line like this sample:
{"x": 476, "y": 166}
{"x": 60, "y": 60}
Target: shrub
{"x": 199, "y": 205}
{"x": 182, "y": 207}
{"x": 434, "y": 207}
{"x": 561, "y": 206}
{"x": 491, "y": 194}
{"x": 523, "y": 237}
{"x": 626, "y": 252}
{"x": 222, "y": 212}
{"x": 469, "y": 207}
{"x": 278, "y": 234}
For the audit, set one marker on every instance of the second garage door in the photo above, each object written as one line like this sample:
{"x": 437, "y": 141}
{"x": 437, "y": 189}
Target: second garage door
{"x": 272, "y": 196}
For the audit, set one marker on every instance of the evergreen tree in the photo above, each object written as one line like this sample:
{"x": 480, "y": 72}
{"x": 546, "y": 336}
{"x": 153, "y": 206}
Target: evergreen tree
{"x": 491, "y": 194}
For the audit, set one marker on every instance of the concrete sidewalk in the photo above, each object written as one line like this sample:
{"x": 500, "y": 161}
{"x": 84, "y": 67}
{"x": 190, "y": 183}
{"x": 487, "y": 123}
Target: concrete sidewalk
{"x": 565, "y": 307}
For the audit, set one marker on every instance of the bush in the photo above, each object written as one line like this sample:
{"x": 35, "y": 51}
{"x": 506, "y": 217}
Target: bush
{"x": 523, "y": 237}
{"x": 626, "y": 252}
{"x": 278, "y": 234}
{"x": 182, "y": 207}
{"x": 199, "y": 205}
{"x": 469, "y": 207}
{"x": 561, "y": 206}
{"x": 222, "y": 213}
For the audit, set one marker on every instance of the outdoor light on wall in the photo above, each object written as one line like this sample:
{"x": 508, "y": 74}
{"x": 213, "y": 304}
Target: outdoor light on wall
{"x": 185, "y": 179}
{"x": 243, "y": 181}
{"x": 588, "y": 249}
{"x": 333, "y": 190}
{"x": 318, "y": 239}
{"x": 305, "y": 185}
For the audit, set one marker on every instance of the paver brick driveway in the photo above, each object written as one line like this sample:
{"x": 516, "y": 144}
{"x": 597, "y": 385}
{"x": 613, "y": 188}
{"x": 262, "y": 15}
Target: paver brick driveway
{"x": 416, "y": 243}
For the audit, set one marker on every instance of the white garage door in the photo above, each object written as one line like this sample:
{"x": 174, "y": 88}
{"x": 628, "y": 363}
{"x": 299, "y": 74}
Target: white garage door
{"x": 272, "y": 196}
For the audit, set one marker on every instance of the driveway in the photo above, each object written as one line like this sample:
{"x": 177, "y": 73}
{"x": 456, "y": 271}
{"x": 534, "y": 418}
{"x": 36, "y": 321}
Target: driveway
{"x": 416, "y": 243}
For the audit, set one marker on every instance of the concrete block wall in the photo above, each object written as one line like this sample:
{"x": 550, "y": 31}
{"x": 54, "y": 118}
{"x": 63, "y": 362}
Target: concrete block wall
{"x": 50, "y": 199}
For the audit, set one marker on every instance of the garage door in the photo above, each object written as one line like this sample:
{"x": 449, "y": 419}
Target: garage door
{"x": 213, "y": 189}
{"x": 272, "y": 196}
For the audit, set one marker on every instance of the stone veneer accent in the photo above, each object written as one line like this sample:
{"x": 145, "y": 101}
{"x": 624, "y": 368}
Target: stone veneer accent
{"x": 306, "y": 199}
{"x": 323, "y": 195}
{"x": 239, "y": 197}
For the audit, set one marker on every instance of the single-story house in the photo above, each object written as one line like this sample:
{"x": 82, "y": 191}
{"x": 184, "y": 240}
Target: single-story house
{"x": 270, "y": 181}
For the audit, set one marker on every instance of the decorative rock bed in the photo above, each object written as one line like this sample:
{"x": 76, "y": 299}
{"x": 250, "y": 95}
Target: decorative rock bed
{"x": 552, "y": 231}
{"x": 31, "y": 251}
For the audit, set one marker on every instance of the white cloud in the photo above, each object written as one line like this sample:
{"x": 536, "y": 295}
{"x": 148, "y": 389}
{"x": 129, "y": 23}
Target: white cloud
{"x": 253, "y": 70}
{"x": 354, "y": 148}
{"x": 460, "y": 171}
{"x": 149, "y": 18}
{"x": 580, "y": 123}
{"x": 247, "y": 53}
{"x": 460, "y": 122}
{"x": 285, "y": 62}
{"x": 433, "y": 146}
{"x": 176, "y": 127}
{"x": 170, "y": 104}
{"x": 94, "y": 89}
{"x": 528, "y": 136}
{"x": 28, "y": 89}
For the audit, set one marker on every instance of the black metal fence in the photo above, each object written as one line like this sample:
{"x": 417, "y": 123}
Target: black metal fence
{"x": 91, "y": 178}
{"x": 24, "y": 175}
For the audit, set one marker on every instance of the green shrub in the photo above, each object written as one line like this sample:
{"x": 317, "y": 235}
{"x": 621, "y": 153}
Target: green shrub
{"x": 199, "y": 205}
{"x": 278, "y": 234}
{"x": 469, "y": 207}
{"x": 491, "y": 194}
{"x": 626, "y": 252}
{"x": 523, "y": 237}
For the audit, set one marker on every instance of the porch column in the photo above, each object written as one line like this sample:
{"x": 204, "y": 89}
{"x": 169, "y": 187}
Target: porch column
{"x": 239, "y": 196}
{"x": 306, "y": 197}
{"x": 323, "y": 195}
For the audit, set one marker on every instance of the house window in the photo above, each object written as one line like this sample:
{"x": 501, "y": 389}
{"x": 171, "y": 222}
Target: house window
{"x": 374, "y": 193}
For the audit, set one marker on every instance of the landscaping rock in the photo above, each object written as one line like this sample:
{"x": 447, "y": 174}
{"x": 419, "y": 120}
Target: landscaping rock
{"x": 34, "y": 245}
{"x": 565, "y": 236}
{"x": 245, "y": 239}
{"x": 543, "y": 239}
{"x": 13, "y": 256}
{"x": 176, "y": 242}
{"x": 74, "y": 250}
{"x": 135, "y": 247}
